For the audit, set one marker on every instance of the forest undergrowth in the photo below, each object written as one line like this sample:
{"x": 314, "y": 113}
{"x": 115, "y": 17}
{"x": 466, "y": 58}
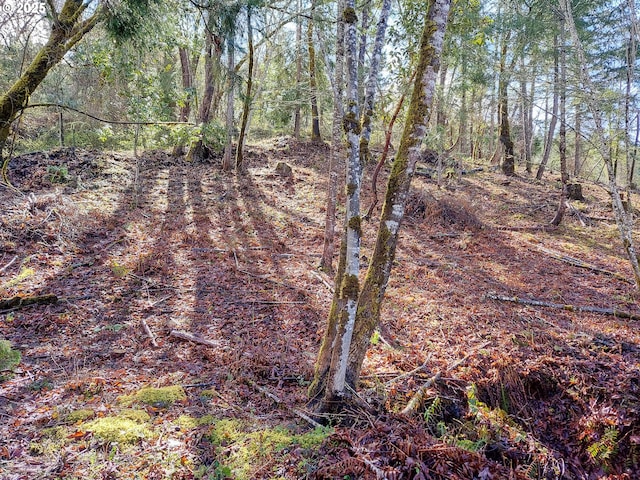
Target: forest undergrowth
{"x": 188, "y": 311}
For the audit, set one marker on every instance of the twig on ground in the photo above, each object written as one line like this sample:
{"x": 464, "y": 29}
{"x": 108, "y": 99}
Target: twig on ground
{"x": 276, "y": 399}
{"x": 193, "y": 338}
{"x": 419, "y": 396}
{"x": 324, "y": 282}
{"x": 149, "y": 333}
{"x": 408, "y": 374}
{"x": 8, "y": 264}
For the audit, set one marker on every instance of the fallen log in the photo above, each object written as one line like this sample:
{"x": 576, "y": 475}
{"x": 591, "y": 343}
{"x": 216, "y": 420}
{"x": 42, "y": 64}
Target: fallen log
{"x": 572, "y": 308}
{"x": 576, "y": 262}
{"x": 17, "y": 302}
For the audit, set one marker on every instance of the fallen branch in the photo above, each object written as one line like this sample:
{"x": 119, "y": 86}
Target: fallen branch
{"x": 193, "y": 338}
{"x": 581, "y": 264}
{"x": 19, "y": 302}
{"x": 149, "y": 333}
{"x": 572, "y": 308}
{"x": 324, "y": 282}
{"x": 8, "y": 264}
{"x": 276, "y": 399}
{"x": 419, "y": 396}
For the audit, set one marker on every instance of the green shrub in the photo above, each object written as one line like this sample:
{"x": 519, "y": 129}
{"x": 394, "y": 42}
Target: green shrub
{"x": 9, "y": 358}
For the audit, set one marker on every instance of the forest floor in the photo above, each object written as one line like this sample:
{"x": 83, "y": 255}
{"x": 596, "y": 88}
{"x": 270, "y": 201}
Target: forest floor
{"x": 520, "y": 391}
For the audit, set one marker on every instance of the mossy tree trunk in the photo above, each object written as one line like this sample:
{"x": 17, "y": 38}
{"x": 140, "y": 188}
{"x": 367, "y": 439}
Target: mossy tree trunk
{"x": 313, "y": 87}
{"x": 370, "y": 299}
{"x": 370, "y": 91}
{"x": 420, "y": 108}
{"x": 593, "y": 98}
{"x": 227, "y": 158}
{"x": 67, "y": 30}
{"x": 331, "y": 385}
{"x": 240, "y": 167}
{"x": 326, "y": 262}
{"x": 508, "y": 161}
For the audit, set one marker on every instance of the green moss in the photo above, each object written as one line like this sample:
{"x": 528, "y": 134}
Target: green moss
{"x": 351, "y": 188}
{"x": 355, "y": 223}
{"x": 158, "y": 397}
{"x": 349, "y": 15}
{"x": 80, "y": 415}
{"x": 9, "y": 358}
{"x": 188, "y": 422}
{"x": 250, "y": 450}
{"x": 350, "y": 286}
{"x": 23, "y": 275}
{"x": 135, "y": 415}
{"x": 118, "y": 429}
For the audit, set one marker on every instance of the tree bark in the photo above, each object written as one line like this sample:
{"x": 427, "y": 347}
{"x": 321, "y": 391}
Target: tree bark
{"x": 554, "y": 114}
{"x": 379, "y": 271}
{"x": 331, "y": 380}
{"x": 577, "y": 152}
{"x": 313, "y": 87}
{"x": 562, "y": 205}
{"x": 67, "y": 30}
{"x": 240, "y": 167}
{"x": 326, "y": 262}
{"x": 592, "y": 100}
{"x": 370, "y": 92}
{"x": 508, "y": 161}
{"x": 296, "y": 113}
{"x": 187, "y": 85}
{"x": 227, "y": 159}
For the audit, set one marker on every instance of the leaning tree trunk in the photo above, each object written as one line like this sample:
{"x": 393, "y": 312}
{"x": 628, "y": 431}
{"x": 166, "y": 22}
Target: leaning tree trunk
{"x": 326, "y": 262}
{"x": 331, "y": 382}
{"x": 313, "y": 87}
{"x": 368, "y": 308}
{"x": 592, "y": 100}
{"x": 296, "y": 114}
{"x": 554, "y": 113}
{"x": 66, "y": 31}
{"x": 240, "y": 167}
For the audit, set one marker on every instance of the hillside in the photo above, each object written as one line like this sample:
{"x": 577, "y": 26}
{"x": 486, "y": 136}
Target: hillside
{"x": 140, "y": 252}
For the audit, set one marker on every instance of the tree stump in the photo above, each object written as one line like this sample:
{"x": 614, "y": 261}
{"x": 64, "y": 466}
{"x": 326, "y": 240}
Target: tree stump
{"x": 574, "y": 191}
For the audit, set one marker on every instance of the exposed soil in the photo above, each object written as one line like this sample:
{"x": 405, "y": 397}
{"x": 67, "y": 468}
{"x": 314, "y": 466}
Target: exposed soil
{"x": 123, "y": 242}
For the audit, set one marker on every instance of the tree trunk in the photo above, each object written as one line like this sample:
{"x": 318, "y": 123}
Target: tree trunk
{"x": 554, "y": 114}
{"x": 296, "y": 113}
{"x": 508, "y": 162}
{"x": 187, "y": 84}
{"x": 66, "y": 31}
{"x": 526, "y": 99}
{"x": 227, "y": 158}
{"x": 331, "y": 381}
{"x": 562, "y": 205}
{"x": 313, "y": 88}
{"x": 370, "y": 92}
{"x": 593, "y": 99}
{"x": 631, "y": 62}
{"x": 362, "y": 51}
{"x": 368, "y": 307}
{"x": 577, "y": 152}
{"x": 240, "y": 167}
{"x": 326, "y": 262}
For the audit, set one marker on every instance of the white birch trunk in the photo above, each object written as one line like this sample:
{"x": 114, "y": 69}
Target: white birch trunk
{"x": 370, "y": 92}
{"x": 350, "y": 287}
